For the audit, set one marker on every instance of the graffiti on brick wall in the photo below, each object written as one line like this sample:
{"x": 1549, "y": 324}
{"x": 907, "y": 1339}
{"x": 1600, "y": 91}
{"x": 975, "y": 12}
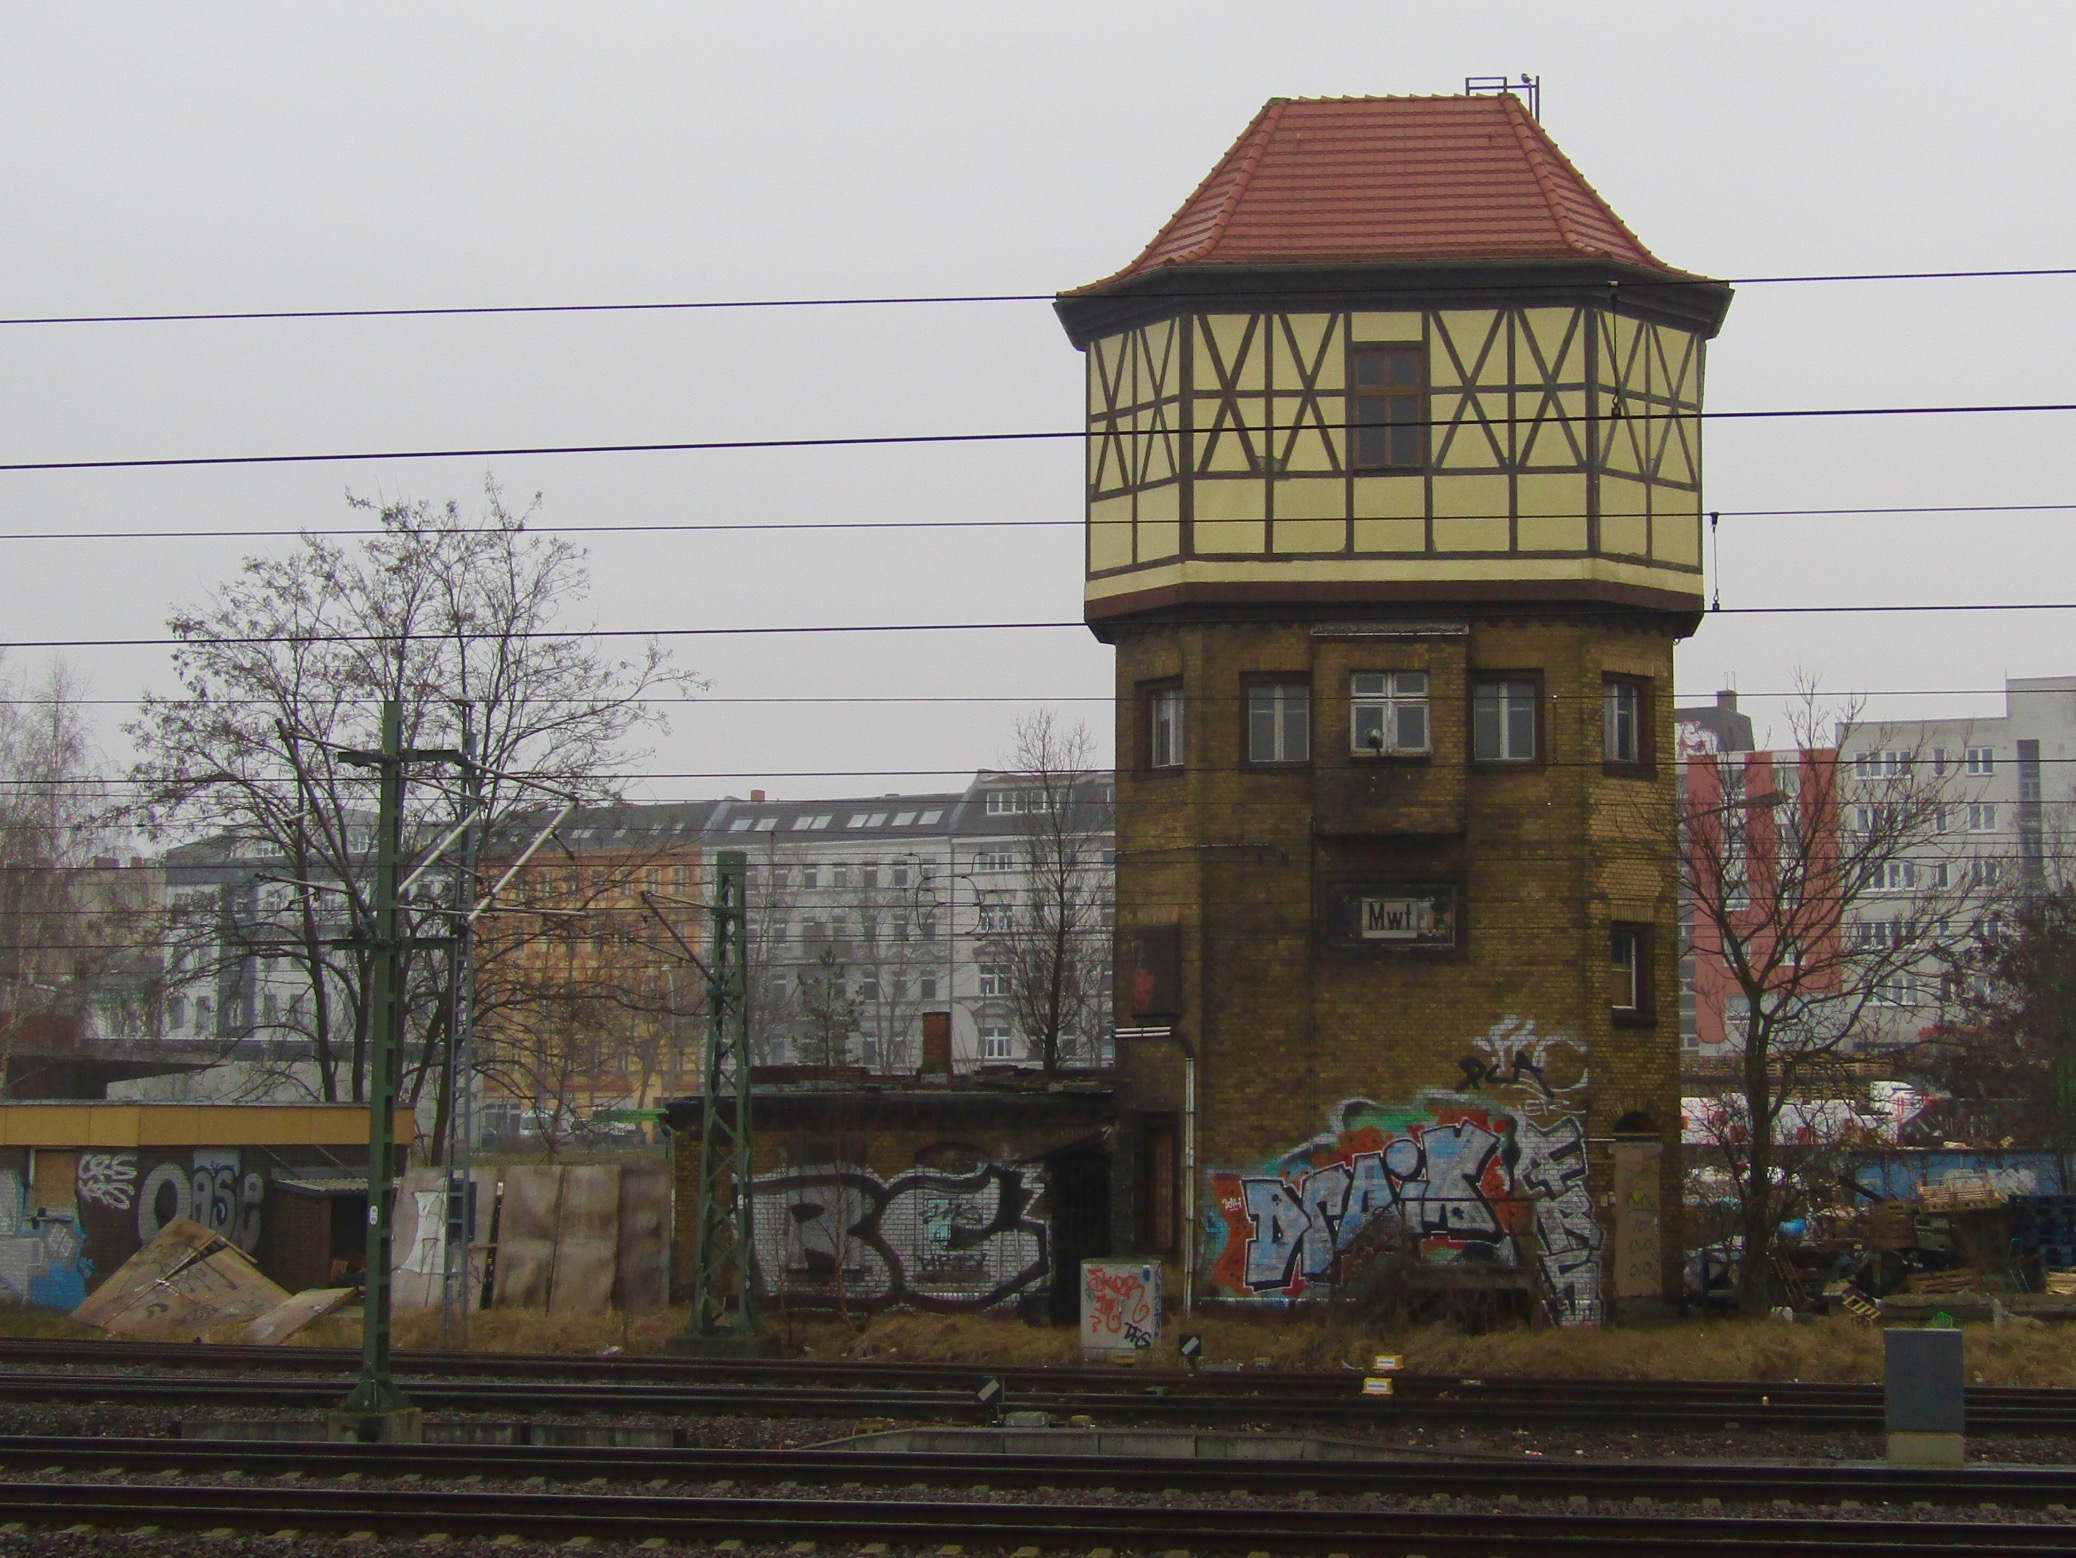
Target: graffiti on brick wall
{"x": 1494, "y": 1173}
{"x": 107, "y": 1179}
{"x": 924, "y": 1239}
{"x": 43, "y": 1259}
{"x": 209, "y": 1189}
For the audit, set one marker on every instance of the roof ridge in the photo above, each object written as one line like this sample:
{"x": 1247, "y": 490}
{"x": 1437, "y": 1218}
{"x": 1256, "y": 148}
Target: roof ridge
{"x": 1267, "y": 120}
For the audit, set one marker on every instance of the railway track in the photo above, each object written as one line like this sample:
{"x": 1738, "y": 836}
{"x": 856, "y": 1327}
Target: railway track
{"x": 1175, "y": 1399}
{"x": 1492, "y": 1477}
{"x": 1050, "y": 1524}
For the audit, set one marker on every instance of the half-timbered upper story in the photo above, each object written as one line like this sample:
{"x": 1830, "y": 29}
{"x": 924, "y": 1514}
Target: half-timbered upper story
{"x": 1393, "y": 349}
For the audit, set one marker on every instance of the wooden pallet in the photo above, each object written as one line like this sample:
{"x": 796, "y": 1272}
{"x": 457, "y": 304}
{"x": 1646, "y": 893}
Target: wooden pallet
{"x": 1942, "y": 1282}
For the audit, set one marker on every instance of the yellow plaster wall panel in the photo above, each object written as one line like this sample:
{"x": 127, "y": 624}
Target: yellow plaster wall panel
{"x": 1228, "y": 435}
{"x": 1546, "y": 436}
{"x": 1219, "y": 500}
{"x": 1324, "y": 337}
{"x": 1623, "y": 528}
{"x": 1676, "y": 526}
{"x": 1233, "y": 341}
{"x": 1390, "y": 497}
{"x": 1305, "y": 447}
{"x": 1230, "y": 536}
{"x": 1461, "y": 440}
{"x": 1622, "y": 440}
{"x": 1558, "y": 344}
{"x": 1471, "y": 514}
{"x": 1551, "y": 513}
{"x": 1398, "y": 325}
{"x": 1391, "y": 535}
{"x": 1110, "y": 532}
{"x": 1311, "y": 535}
{"x": 1476, "y": 344}
{"x": 1311, "y": 498}
{"x": 1160, "y": 527}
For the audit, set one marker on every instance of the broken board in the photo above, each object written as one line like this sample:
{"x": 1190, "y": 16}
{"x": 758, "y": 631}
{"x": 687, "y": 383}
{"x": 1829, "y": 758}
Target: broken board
{"x": 187, "y": 1281}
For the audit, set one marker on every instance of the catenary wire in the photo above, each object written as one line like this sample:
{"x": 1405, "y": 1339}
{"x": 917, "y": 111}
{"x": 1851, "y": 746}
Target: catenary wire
{"x": 218, "y": 316}
{"x": 703, "y": 527}
{"x": 852, "y": 628}
{"x": 887, "y": 440}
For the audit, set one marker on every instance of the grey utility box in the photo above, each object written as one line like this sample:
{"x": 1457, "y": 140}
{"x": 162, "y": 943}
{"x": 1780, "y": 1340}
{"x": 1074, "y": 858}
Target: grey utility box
{"x": 1925, "y": 1389}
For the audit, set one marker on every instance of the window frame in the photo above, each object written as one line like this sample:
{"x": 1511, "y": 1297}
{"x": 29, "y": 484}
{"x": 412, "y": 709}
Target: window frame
{"x": 1278, "y": 682}
{"x": 1386, "y": 395}
{"x": 1389, "y": 701}
{"x": 1539, "y": 727}
{"x": 1151, "y": 696}
{"x": 1642, "y": 1012}
{"x": 1642, "y": 764}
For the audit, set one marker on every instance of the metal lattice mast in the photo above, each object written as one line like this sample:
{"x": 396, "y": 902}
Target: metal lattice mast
{"x": 461, "y": 1056}
{"x": 376, "y": 1397}
{"x": 724, "y": 1306}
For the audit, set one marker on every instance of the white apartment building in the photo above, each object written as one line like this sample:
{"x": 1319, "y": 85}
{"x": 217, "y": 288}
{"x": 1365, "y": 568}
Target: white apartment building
{"x": 891, "y": 907}
{"x": 2007, "y": 788}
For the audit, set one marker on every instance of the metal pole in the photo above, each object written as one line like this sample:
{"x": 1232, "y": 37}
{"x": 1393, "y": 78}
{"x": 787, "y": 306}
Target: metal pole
{"x": 457, "y": 1268}
{"x": 376, "y": 1409}
{"x": 724, "y": 1303}
{"x": 1189, "y": 1179}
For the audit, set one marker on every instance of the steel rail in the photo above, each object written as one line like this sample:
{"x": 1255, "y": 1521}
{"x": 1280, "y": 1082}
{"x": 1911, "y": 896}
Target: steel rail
{"x": 1017, "y": 1378}
{"x": 540, "y": 1516}
{"x": 1575, "y": 1404}
{"x": 1491, "y": 1476}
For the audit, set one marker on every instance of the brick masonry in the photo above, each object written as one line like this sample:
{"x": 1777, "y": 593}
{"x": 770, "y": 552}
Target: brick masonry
{"x": 1479, "y": 1089}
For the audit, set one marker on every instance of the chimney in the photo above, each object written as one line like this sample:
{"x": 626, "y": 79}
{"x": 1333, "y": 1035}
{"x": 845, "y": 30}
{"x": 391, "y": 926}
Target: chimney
{"x": 757, "y": 796}
{"x": 1726, "y": 700}
{"x": 936, "y": 1046}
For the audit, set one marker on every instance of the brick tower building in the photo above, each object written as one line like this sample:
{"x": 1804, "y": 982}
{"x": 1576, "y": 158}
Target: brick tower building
{"x": 1394, "y": 517}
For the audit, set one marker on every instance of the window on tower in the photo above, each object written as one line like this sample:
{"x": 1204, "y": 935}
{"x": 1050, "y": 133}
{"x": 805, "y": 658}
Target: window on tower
{"x": 1388, "y": 713}
{"x": 1164, "y": 728}
{"x": 1279, "y": 722}
{"x": 1388, "y": 408}
{"x": 1503, "y": 720}
{"x": 1624, "y": 722}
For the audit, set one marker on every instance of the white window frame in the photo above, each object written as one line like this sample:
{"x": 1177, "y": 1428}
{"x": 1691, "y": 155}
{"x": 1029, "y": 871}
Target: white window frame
{"x": 1982, "y": 761}
{"x": 997, "y": 1041}
{"x": 1383, "y": 709}
{"x": 1982, "y": 816}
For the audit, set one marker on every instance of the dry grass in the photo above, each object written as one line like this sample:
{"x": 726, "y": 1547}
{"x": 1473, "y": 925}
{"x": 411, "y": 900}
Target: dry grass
{"x": 1837, "y": 1350}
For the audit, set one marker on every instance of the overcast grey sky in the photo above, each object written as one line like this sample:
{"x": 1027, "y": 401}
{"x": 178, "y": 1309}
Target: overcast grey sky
{"x": 278, "y": 157}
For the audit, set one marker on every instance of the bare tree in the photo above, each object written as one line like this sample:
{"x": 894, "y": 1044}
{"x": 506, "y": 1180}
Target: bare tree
{"x": 2004, "y": 1054}
{"x": 1824, "y": 893}
{"x": 1052, "y": 933}
{"x": 73, "y": 927}
{"x": 282, "y": 672}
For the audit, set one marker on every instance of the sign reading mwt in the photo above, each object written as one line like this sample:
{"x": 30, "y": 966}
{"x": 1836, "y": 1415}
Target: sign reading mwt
{"x": 1397, "y": 919}
{"x": 1120, "y": 1307}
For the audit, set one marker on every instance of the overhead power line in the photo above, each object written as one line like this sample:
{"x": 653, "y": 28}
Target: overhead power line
{"x": 921, "y": 300}
{"x": 857, "y": 628}
{"x": 886, "y": 440}
{"x": 760, "y": 699}
{"x": 752, "y": 526}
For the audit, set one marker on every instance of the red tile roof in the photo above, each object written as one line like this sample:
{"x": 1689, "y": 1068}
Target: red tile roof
{"x": 1369, "y": 180}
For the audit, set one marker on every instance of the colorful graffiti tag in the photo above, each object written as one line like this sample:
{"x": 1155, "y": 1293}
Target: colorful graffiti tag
{"x": 926, "y": 1239}
{"x": 1495, "y": 1173}
{"x": 1120, "y": 1306}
